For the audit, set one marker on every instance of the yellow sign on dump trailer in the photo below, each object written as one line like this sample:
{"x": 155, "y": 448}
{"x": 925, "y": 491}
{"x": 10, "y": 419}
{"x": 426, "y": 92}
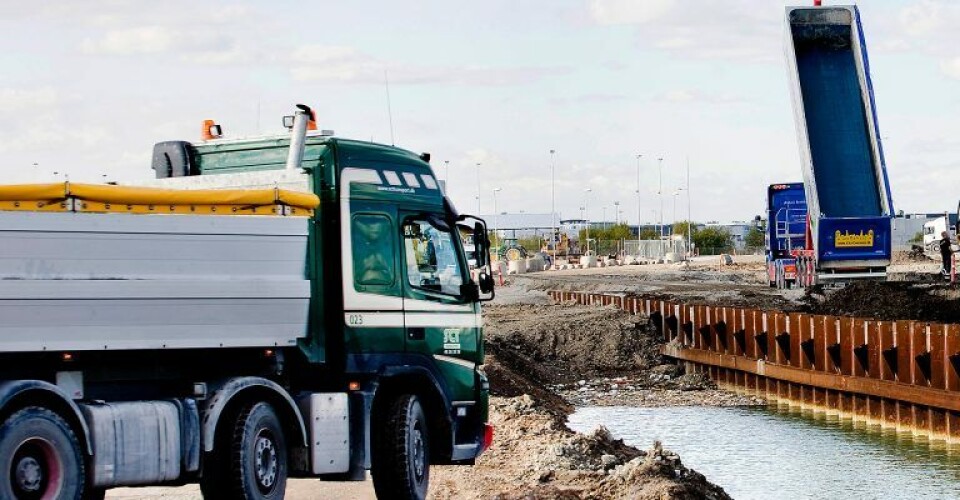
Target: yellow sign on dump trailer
{"x": 68, "y": 197}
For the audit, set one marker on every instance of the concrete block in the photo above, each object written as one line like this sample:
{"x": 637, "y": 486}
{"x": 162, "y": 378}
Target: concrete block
{"x": 517, "y": 267}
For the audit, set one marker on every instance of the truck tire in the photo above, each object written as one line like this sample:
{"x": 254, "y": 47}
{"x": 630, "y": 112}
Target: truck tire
{"x": 259, "y": 455}
{"x": 401, "y": 457}
{"x": 40, "y": 457}
{"x": 251, "y": 461}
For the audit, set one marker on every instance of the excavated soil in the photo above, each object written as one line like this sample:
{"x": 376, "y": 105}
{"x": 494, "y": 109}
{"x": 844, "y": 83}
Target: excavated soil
{"x": 890, "y": 300}
{"x": 558, "y": 344}
{"x": 535, "y": 351}
{"x": 535, "y": 456}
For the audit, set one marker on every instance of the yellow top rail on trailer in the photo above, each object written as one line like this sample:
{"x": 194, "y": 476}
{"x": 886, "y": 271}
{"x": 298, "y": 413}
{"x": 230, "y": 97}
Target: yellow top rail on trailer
{"x": 69, "y": 197}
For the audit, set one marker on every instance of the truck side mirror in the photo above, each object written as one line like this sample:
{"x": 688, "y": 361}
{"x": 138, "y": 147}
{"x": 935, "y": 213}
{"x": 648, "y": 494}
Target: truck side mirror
{"x": 470, "y": 292}
{"x": 485, "y": 281}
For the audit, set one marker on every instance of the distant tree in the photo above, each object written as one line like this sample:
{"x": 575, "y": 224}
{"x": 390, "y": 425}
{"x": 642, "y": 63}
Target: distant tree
{"x": 618, "y": 232}
{"x": 531, "y": 243}
{"x": 713, "y": 240}
{"x": 582, "y": 235}
{"x": 917, "y": 238}
{"x": 648, "y": 234}
{"x": 494, "y": 239}
{"x": 754, "y": 238}
{"x": 680, "y": 227}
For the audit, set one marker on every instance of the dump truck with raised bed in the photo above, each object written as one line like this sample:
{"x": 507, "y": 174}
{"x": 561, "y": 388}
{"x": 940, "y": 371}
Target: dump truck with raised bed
{"x": 303, "y": 309}
{"x": 786, "y": 233}
{"x": 844, "y": 173}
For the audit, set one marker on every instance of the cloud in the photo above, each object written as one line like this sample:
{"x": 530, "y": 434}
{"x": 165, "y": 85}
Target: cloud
{"x": 706, "y": 29}
{"x": 922, "y": 18}
{"x": 194, "y": 45}
{"x": 679, "y": 96}
{"x": 194, "y": 33}
{"x": 341, "y": 64}
{"x": 951, "y": 67}
{"x": 326, "y": 54}
{"x": 14, "y": 99}
{"x": 629, "y": 11}
{"x": 141, "y": 40}
{"x": 695, "y": 96}
{"x": 46, "y": 132}
{"x": 925, "y": 27}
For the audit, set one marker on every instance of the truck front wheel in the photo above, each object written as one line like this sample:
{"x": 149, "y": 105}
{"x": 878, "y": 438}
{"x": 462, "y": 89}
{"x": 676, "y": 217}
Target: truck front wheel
{"x": 401, "y": 457}
{"x": 259, "y": 468}
{"x": 40, "y": 456}
{"x": 250, "y": 462}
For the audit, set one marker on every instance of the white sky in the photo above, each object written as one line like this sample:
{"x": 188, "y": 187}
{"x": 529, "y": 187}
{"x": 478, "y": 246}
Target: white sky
{"x": 88, "y": 87}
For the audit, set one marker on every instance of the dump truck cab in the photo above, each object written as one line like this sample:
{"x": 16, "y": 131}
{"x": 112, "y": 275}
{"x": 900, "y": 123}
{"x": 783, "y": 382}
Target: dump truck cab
{"x": 393, "y": 302}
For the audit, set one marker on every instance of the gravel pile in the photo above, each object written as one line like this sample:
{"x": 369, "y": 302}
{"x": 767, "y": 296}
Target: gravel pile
{"x": 535, "y": 456}
{"x": 665, "y": 385}
{"x": 887, "y": 300}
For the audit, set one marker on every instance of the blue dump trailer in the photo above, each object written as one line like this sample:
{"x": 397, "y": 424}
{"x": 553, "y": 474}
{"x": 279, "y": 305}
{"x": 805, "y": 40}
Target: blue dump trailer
{"x": 844, "y": 174}
{"x": 786, "y": 232}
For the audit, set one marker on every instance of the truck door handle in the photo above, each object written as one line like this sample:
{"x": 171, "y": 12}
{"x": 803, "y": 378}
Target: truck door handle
{"x": 417, "y": 333}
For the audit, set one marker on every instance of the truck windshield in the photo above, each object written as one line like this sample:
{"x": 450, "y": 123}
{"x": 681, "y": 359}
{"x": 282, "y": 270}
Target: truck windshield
{"x": 431, "y": 258}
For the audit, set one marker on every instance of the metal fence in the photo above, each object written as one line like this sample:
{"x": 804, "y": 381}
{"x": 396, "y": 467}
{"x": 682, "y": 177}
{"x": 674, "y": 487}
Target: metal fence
{"x": 654, "y": 249}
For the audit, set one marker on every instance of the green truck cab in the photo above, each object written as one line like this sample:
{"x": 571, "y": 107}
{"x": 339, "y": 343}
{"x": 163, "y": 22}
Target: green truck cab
{"x": 394, "y": 310}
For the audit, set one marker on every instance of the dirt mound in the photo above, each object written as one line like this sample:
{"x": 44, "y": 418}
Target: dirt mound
{"x": 886, "y": 300}
{"x": 555, "y": 344}
{"x": 531, "y": 350}
{"x": 535, "y": 456}
{"x": 506, "y": 382}
{"x": 659, "y": 474}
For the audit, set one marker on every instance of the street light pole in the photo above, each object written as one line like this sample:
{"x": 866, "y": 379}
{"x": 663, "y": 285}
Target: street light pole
{"x": 660, "y": 193}
{"x": 553, "y": 203}
{"x": 675, "y": 194}
{"x": 478, "y": 188}
{"x": 586, "y": 204}
{"x": 639, "y": 214}
{"x": 496, "y": 218}
{"x": 689, "y": 217}
{"x": 616, "y": 213}
{"x": 446, "y": 175}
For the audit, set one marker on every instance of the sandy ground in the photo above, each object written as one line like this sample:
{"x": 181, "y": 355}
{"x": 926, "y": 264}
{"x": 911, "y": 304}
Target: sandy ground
{"x": 297, "y": 489}
{"x": 704, "y": 280}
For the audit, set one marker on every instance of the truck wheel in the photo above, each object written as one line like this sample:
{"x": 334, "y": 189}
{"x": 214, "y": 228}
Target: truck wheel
{"x": 401, "y": 458}
{"x": 41, "y": 457}
{"x": 259, "y": 454}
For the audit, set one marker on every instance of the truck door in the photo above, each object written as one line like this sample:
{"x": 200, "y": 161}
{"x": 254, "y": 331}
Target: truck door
{"x": 373, "y": 304}
{"x": 441, "y": 322}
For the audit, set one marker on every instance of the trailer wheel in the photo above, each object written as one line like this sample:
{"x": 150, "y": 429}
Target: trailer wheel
{"x": 401, "y": 458}
{"x": 41, "y": 457}
{"x": 259, "y": 454}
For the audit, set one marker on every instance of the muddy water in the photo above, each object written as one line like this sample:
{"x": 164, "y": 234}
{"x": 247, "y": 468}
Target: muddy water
{"x": 763, "y": 453}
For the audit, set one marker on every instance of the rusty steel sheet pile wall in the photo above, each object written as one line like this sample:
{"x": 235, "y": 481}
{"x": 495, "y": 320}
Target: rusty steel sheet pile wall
{"x": 902, "y": 375}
